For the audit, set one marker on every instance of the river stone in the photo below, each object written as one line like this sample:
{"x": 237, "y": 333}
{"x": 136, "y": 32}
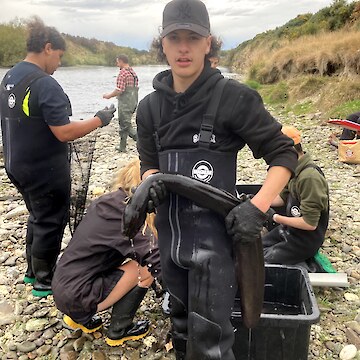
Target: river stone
{"x": 11, "y": 261}
{"x": 6, "y": 308}
{"x": 36, "y": 324}
{"x": 348, "y": 352}
{"x": 79, "y": 343}
{"x": 354, "y": 325}
{"x": 43, "y": 350}
{"x": 31, "y": 309}
{"x": 41, "y": 312}
{"x": 48, "y": 334}
{"x": 26, "y": 346}
{"x": 351, "y": 297}
{"x": 20, "y": 210}
{"x": 68, "y": 355}
{"x": 98, "y": 355}
{"x": 11, "y": 355}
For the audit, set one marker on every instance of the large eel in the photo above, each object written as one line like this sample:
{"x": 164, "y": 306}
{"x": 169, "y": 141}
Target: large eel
{"x": 249, "y": 259}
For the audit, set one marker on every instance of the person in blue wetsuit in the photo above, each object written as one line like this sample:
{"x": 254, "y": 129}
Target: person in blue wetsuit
{"x": 194, "y": 124}
{"x": 35, "y": 128}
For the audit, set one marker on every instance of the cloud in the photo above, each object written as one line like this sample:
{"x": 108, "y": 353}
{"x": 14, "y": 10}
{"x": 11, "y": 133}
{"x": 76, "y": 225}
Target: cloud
{"x": 134, "y": 23}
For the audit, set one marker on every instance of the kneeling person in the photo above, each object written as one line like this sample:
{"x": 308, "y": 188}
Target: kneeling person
{"x": 306, "y": 199}
{"x": 100, "y": 268}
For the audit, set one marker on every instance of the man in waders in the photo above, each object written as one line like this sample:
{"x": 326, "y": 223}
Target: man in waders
{"x": 306, "y": 198}
{"x": 35, "y": 128}
{"x": 126, "y": 91}
{"x": 194, "y": 124}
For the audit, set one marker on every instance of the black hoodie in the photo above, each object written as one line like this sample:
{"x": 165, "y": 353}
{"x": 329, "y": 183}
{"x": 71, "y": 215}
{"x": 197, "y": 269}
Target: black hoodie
{"x": 241, "y": 119}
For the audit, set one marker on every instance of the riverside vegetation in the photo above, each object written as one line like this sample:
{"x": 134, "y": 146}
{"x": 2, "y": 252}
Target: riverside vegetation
{"x": 303, "y": 83}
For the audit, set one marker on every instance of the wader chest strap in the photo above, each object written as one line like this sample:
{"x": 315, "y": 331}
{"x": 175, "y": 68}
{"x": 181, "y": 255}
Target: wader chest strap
{"x": 207, "y": 125}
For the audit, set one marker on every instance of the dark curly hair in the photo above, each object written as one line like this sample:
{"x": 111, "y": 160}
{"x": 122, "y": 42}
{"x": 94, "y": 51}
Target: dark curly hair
{"x": 39, "y": 35}
{"x": 157, "y": 48}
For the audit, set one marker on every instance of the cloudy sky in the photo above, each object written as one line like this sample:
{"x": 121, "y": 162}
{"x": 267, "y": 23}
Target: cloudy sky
{"x": 135, "y": 22}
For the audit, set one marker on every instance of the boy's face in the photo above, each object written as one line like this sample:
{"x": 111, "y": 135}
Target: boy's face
{"x": 119, "y": 63}
{"x": 185, "y": 52}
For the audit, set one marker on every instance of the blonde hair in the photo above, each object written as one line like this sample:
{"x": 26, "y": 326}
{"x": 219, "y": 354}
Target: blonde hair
{"x": 128, "y": 178}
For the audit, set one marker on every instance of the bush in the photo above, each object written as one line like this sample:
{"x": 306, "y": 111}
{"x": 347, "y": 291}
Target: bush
{"x": 253, "y": 84}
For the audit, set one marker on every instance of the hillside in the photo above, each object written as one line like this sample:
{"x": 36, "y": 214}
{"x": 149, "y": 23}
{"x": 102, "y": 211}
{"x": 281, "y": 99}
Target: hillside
{"x": 80, "y": 50}
{"x": 313, "y": 61}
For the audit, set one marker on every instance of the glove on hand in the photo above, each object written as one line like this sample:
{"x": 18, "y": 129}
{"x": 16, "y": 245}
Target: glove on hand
{"x": 244, "y": 223}
{"x": 157, "y": 193}
{"x": 270, "y": 223}
{"x": 243, "y": 197}
{"x": 270, "y": 214}
{"x": 106, "y": 114}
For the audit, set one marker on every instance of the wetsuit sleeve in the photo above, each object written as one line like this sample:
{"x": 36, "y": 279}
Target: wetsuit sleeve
{"x": 259, "y": 130}
{"x": 312, "y": 190}
{"x": 146, "y": 143}
{"x": 52, "y": 101}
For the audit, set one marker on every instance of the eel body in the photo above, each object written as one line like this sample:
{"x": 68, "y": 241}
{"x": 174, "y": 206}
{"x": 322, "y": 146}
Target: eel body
{"x": 249, "y": 259}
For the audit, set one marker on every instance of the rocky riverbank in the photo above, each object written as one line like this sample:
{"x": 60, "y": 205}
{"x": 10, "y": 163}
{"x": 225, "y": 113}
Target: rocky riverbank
{"x": 33, "y": 329}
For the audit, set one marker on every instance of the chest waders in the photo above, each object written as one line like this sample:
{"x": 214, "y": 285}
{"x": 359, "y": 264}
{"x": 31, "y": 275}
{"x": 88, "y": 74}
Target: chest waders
{"x": 37, "y": 164}
{"x": 195, "y": 251}
{"x": 127, "y": 103}
{"x": 289, "y": 246}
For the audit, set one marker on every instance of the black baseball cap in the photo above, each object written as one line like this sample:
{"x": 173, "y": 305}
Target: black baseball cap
{"x": 186, "y": 15}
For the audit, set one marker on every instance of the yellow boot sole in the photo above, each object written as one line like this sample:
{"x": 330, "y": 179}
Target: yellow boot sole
{"x": 119, "y": 342}
{"x": 71, "y": 323}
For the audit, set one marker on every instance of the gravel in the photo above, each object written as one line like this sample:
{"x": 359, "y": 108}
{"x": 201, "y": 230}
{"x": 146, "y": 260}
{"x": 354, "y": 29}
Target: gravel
{"x": 33, "y": 329}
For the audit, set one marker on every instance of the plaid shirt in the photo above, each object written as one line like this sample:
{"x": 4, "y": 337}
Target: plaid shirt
{"x": 126, "y": 77}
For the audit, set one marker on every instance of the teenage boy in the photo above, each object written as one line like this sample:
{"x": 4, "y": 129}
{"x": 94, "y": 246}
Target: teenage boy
{"x": 178, "y": 133}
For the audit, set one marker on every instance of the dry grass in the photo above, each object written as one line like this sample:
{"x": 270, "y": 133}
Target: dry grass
{"x": 327, "y": 54}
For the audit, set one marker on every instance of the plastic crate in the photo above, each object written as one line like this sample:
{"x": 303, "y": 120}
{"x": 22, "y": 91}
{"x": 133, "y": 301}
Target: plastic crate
{"x": 283, "y": 332}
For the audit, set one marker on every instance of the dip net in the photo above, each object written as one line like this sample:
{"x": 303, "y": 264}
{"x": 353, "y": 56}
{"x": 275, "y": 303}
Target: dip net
{"x": 81, "y": 156}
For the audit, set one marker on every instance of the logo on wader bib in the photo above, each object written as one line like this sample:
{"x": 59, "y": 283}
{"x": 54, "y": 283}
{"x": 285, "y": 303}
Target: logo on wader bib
{"x": 11, "y": 101}
{"x": 203, "y": 171}
{"x": 295, "y": 211}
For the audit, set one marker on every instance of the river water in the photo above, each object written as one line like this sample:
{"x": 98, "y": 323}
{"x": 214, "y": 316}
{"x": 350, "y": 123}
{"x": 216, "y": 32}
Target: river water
{"x": 85, "y": 85}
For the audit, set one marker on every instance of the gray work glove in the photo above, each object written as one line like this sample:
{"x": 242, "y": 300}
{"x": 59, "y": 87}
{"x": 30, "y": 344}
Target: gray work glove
{"x": 157, "y": 194}
{"x": 106, "y": 114}
{"x": 245, "y": 222}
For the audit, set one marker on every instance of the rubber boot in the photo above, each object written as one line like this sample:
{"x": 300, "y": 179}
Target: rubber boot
{"x": 123, "y": 141}
{"x": 29, "y": 277}
{"x": 121, "y": 326}
{"x": 44, "y": 270}
{"x": 94, "y": 324}
{"x": 179, "y": 344}
{"x": 133, "y": 134}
